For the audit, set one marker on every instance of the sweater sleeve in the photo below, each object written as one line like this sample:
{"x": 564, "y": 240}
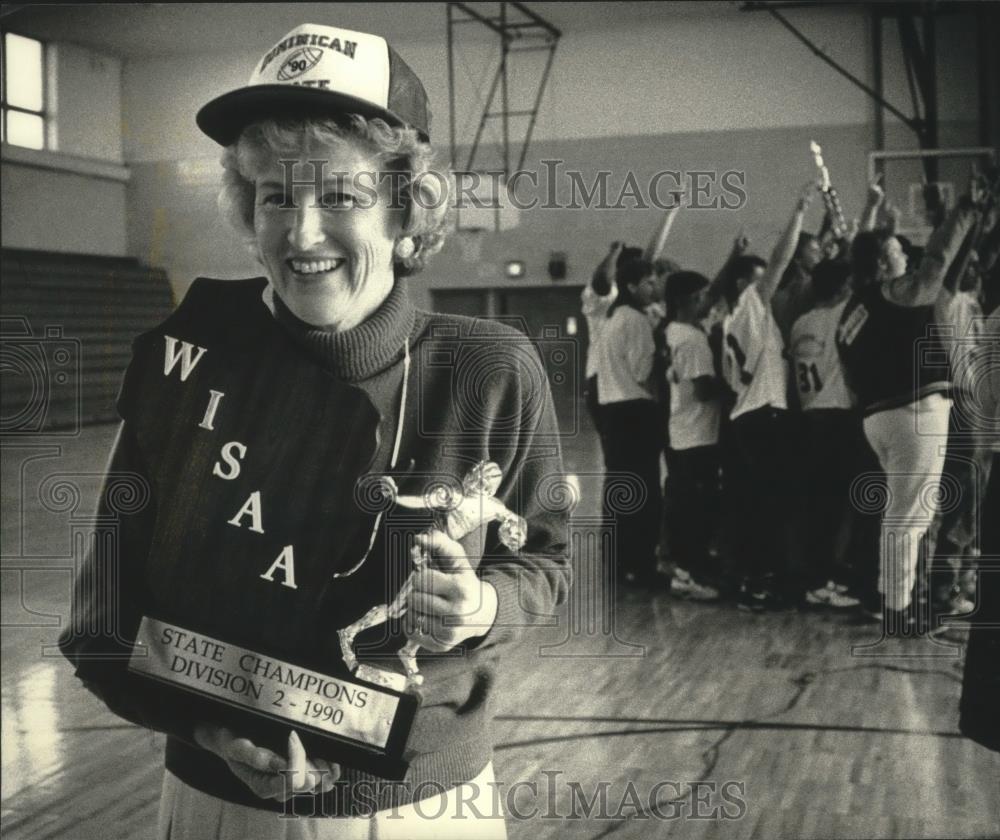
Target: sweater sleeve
{"x": 107, "y": 608}
{"x": 532, "y": 582}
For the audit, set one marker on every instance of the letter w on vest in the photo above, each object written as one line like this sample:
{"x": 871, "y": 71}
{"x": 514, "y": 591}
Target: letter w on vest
{"x": 183, "y": 354}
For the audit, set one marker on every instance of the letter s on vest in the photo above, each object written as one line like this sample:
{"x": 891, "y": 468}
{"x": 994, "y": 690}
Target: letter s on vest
{"x": 231, "y": 462}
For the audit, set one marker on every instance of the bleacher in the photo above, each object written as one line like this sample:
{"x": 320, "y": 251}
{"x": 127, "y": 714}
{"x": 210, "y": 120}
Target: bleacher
{"x": 68, "y": 321}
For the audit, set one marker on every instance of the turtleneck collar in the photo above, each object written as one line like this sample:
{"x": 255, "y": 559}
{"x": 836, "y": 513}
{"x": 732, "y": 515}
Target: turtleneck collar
{"x": 362, "y": 351}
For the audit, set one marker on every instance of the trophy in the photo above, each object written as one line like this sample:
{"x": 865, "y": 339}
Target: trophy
{"x": 457, "y": 513}
{"x": 362, "y": 720}
{"x": 830, "y": 198}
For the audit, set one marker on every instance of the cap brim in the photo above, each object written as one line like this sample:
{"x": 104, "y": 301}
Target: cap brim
{"x": 225, "y": 117}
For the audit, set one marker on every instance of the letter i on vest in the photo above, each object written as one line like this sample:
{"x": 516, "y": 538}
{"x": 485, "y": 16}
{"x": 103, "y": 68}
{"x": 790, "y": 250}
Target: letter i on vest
{"x": 231, "y": 454}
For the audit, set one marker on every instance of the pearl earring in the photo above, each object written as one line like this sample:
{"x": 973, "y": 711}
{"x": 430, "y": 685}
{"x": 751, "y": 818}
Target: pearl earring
{"x": 405, "y": 248}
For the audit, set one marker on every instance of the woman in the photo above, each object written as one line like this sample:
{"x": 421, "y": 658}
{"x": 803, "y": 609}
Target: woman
{"x": 632, "y": 436}
{"x": 897, "y": 365}
{"x": 253, "y": 416}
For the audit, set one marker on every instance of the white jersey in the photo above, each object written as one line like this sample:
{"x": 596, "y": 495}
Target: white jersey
{"x": 624, "y": 357}
{"x": 753, "y": 361}
{"x": 964, "y": 316}
{"x": 816, "y": 365}
{"x": 693, "y": 422}
{"x": 595, "y": 309}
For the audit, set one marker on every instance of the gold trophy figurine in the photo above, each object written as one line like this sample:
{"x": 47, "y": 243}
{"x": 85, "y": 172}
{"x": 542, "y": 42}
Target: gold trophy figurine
{"x": 457, "y": 513}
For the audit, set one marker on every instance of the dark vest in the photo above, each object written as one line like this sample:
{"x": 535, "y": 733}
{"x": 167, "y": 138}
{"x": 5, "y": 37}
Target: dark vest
{"x": 893, "y": 355}
{"x": 272, "y": 481}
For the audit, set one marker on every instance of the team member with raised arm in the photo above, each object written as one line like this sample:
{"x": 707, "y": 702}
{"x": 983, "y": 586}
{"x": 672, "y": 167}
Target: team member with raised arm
{"x": 897, "y": 364}
{"x": 600, "y": 293}
{"x": 595, "y": 300}
{"x": 631, "y": 424}
{"x": 756, "y": 372}
{"x": 692, "y": 486}
{"x": 830, "y": 434}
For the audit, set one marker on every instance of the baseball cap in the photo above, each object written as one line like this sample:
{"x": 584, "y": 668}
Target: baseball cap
{"x": 319, "y": 70}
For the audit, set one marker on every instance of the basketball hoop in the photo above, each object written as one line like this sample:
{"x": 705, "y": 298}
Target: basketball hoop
{"x": 904, "y": 179}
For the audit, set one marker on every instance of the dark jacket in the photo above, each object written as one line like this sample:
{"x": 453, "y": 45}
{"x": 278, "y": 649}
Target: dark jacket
{"x": 314, "y": 414}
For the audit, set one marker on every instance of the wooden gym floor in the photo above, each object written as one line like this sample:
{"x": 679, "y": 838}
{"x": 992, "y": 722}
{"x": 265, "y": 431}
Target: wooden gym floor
{"x": 737, "y": 725}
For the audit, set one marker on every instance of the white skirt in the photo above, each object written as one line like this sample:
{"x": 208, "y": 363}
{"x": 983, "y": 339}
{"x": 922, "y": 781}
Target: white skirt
{"x": 471, "y": 811}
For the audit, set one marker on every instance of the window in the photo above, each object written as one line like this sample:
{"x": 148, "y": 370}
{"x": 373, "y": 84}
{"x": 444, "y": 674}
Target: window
{"x": 23, "y": 92}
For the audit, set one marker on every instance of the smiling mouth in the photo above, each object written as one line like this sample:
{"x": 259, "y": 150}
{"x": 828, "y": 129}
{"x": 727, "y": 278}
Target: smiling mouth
{"x": 309, "y": 267}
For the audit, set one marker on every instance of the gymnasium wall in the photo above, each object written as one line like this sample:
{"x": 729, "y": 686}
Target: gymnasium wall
{"x": 72, "y": 199}
{"x": 708, "y": 88}
{"x": 718, "y": 90}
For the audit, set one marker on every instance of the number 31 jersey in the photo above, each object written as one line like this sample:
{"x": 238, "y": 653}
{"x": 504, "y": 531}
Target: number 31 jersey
{"x": 816, "y": 365}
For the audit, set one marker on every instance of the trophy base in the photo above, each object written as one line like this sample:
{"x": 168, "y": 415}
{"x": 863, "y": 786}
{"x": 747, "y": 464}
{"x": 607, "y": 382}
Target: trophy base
{"x": 360, "y": 725}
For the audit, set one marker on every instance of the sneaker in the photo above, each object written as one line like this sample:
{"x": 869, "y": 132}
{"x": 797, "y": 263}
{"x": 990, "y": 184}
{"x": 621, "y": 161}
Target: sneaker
{"x": 956, "y": 605}
{"x": 960, "y": 605}
{"x": 828, "y": 596}
{"x": 692, "y": 590}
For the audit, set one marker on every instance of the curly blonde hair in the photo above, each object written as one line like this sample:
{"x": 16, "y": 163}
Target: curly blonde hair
{"x": 425, "y": 192}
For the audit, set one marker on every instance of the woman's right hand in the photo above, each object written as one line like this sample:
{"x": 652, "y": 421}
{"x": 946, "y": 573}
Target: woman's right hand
{"x": 266, "y": 773}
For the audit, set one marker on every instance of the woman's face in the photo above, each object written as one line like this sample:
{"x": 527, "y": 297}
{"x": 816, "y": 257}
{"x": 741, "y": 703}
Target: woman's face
{"x": 328, "y": 246}
{"x": 892, "y": 263}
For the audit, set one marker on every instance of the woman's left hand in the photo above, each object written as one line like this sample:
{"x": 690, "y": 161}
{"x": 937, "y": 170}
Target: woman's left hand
{"x": 449, "y": 603}
{"x": 266, "y": 773}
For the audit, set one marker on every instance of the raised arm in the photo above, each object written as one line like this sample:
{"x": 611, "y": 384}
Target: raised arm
{"x": 603, "y": 280}
{"x": 887, "y": 217}
{"x": 717, "y": 286}
{"x": 876, "y": 195}
{"x": 659, "y": 238}
{"x": 783, "y": 252}
{"x": 922, "y": 287}
{"x": 960, "y": 265}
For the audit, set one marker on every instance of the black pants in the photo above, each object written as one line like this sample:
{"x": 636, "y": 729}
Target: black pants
{"x": 759, "y": 498}
{"x": 691, "y": 506}
{"x": 632, "y": 498}
{"x": 981, "y": 684}
{"x": 826, "y": 467}
{"x": 865, "y": 523}
{"x": 596, "y": 416}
